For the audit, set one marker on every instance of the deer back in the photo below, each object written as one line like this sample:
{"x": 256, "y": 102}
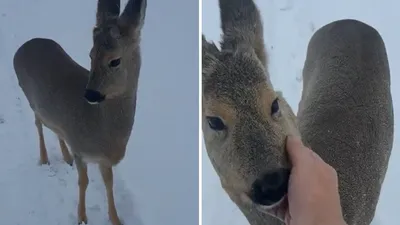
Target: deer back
{"x": 52, "y": 82}
{"x": 346, "y": 111}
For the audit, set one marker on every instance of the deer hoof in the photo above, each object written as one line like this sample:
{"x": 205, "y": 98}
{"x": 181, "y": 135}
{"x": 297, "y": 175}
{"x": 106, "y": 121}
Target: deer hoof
{"x": 44, "y": 162}
{"x": 82, "y": 220}
{"x": 69, "y": 161}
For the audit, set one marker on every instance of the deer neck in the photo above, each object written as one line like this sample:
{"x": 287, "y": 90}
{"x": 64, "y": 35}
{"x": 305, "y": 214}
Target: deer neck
{"x": 113, "y": 119}
{"x": 118, "y": 114}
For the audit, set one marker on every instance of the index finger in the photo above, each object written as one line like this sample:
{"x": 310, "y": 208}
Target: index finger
{"x": 297, "y": 152}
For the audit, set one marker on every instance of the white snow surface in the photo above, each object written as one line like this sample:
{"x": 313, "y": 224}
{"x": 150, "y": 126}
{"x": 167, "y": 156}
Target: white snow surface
{"x": 288, "y": 27}
{"x": 157, "y": 181}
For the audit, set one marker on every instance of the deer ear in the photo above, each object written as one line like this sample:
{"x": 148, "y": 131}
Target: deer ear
{"x": 242, "y": 28}
{"x": 209, "y": 59}
{"x": 106, "y": 10}
{"x": 133, "y": 17}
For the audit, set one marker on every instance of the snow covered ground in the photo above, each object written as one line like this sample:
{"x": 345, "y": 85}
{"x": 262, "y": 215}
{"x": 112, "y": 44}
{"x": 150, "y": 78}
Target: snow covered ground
{"x": 288, "y": 26}
{"x": 157, "y": 182}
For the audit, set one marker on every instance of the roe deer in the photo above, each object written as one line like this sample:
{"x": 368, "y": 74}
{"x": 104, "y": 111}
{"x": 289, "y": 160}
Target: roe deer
{"x": 345, "y": 114}
{"x": 59, "y": 92}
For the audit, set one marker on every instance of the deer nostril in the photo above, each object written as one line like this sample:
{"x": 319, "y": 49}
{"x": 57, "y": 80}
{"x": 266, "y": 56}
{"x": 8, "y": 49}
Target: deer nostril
{"x": 93, "y": 96}
{"x": 271, "y": 187}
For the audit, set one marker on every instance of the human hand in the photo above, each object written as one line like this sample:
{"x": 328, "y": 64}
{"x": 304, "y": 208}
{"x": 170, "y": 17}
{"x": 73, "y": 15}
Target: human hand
{"x": 313, "y": 194}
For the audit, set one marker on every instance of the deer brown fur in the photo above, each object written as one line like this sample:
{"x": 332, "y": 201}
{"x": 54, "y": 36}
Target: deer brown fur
{"x": 346, "y": 111}
{"x": 345, "y": 114}
{"x": 59, "y": 92}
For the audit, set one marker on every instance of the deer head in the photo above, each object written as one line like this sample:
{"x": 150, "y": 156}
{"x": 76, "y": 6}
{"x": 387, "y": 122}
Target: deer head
{"x": 115, "y": 37}
{"x": 245, "y": 121}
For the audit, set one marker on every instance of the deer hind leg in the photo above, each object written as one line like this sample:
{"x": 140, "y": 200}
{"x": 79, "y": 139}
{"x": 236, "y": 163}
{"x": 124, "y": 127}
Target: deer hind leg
{"x": 83, "y": 182}
{"x": 107, "y": 174}
{"x": 43, "y": 151}
{"x": 64, "y": 150}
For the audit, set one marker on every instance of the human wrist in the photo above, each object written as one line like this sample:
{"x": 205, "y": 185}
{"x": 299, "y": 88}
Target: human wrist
{"x": 315, "y": 221}
{"x": 336, "y": 222}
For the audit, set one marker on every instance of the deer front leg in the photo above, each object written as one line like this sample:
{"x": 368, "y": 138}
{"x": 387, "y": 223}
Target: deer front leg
{"x": 43, "y": 151}
{"x": 83, "y": 182}
{"x": 64, "y": 150}
{"x": 107, "y": 174}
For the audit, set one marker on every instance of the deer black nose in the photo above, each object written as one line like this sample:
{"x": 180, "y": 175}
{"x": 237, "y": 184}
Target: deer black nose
{"x": 93, "y": 97}
{"x": 271, "y": 187}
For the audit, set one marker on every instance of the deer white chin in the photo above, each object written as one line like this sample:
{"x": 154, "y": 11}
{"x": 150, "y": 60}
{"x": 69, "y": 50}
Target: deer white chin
{"x": 277, "y": 210}
{"x": 93, "y": 103}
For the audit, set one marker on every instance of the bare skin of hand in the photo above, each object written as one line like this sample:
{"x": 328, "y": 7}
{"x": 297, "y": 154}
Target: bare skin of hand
{"x": 313, "y": 194}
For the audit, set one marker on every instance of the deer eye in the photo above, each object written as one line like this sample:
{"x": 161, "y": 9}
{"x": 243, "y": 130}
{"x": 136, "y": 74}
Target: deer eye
{"x": 114, "y": 63}
{"x": 215, "y": 123}
{"x": 275, "y": 106}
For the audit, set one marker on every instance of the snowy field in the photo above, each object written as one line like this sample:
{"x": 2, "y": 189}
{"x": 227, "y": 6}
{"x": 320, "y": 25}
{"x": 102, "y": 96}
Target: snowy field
{"x": 157, "y": 182}
{"x": 288, "y": 26}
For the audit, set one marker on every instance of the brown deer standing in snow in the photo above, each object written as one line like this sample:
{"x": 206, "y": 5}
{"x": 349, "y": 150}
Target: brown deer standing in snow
{"x": 345, "y": 114}
{"x": 59, "y": 92}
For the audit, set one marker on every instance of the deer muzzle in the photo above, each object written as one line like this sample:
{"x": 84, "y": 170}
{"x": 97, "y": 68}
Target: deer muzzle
{"x": 94, "y": 97}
